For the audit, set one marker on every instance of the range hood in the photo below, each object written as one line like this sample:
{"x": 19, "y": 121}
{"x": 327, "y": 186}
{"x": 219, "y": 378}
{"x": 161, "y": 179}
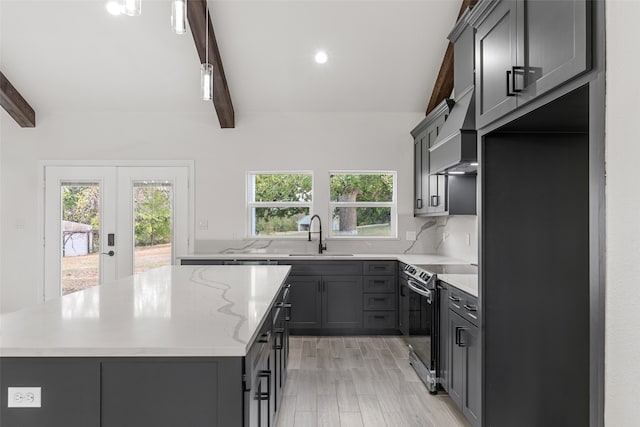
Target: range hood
{"x": 455, "y": 148}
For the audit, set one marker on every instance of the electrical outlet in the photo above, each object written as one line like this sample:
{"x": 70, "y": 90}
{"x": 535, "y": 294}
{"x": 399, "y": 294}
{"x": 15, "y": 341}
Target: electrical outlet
{"x": 24, "y": 397}
{"x": 411, "y": 235}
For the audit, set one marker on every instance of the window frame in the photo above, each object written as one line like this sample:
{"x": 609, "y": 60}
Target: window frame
{"x": 250, "y": 193}
{"x": 393, "y": 205}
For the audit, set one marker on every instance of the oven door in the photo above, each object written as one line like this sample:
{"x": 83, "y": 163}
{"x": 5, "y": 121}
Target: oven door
{"x": 421, "y": 335}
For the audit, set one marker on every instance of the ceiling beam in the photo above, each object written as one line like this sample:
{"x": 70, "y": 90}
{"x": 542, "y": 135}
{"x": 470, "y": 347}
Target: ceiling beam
{"x": 15, "y": 104}
{"x": 444, "y": 83}
{"x": 197, "y": 16}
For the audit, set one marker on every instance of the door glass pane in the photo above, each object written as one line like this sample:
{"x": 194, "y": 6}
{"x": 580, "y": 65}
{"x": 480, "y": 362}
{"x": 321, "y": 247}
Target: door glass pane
{"x": 80, "y": 236}
{"x": 153, "y": 224}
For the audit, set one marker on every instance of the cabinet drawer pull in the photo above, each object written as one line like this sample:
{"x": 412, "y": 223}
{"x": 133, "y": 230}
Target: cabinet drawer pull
{"x": 515, "y": 70}
{"x": 265, "y": 337}
{"x": 435, "y": 201}
{"x": 379, "y": 267}
{"x": 419, "y": 204}
{"x": 379, "y": 282}
{"x": 378, "y": 316}
{"x": 379, "y": 299}
{"x": 470, "y": 307}
{"x": 454, "y": 298}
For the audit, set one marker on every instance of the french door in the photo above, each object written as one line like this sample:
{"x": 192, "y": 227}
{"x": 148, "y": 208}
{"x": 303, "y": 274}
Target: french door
{"x": 106, "y": 222}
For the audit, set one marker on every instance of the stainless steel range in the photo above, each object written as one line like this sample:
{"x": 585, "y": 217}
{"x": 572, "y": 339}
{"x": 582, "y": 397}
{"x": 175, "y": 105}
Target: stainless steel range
{"x": 419, "y": 312}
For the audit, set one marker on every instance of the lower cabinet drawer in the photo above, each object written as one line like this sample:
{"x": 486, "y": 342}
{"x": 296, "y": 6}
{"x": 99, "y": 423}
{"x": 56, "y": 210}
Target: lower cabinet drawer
{"x": 380, "y": 319}
{"x": 380, "y": 284}
{"x": 379, "y": 301}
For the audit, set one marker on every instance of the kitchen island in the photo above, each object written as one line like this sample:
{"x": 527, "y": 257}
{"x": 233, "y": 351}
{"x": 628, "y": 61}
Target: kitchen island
{"x": 180, "y": 345}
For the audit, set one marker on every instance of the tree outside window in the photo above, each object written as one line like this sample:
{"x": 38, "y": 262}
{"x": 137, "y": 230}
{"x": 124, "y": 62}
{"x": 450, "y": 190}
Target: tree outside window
{"x": 363, "y": 204}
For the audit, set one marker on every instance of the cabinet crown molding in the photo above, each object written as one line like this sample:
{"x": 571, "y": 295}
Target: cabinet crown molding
{"x": 444, "y": 107}
{"x": 461, "y": 25}
{"x": 481, "y": 11}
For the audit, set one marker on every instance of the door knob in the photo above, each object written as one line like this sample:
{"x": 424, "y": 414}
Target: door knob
{"x": 110, "y": 253}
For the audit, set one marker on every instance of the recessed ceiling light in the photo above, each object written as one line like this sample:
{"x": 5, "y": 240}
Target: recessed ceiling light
{"x": 114, "y": 7}
{"x": 321, "y": 57}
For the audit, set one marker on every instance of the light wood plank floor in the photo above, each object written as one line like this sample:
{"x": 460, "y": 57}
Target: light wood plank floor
{"x": 359, "y": 381}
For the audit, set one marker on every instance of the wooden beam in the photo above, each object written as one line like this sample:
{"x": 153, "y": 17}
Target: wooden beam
{"x": 444, "y": 83}
{"x": 15, "y": 104}
{"x": 197, "y": 16}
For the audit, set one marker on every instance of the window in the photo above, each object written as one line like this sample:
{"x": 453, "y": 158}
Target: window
{"x": 279, "y": 203}
{"x": 363, "y": 204}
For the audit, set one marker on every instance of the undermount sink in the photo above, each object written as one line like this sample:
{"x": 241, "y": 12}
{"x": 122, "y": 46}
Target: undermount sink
{"x": 317, "y": 254}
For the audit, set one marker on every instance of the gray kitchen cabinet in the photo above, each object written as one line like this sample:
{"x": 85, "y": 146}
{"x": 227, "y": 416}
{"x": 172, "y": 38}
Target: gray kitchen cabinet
{"x": 429, "y": 190}
{"x": 465, "y": 367}
{"x": 513, "y": 61}
{"x": 306, "y": 302}
{"x": 342, "y": 302}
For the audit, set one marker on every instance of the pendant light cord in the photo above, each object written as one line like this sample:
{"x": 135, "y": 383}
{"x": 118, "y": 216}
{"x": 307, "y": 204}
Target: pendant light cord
{"x": 206, "y": 23}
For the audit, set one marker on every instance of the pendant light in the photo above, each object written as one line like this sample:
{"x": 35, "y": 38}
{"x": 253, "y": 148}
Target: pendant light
{"x": 206, "y": 69}
{"x": 179, "y": 16}
{"x": 132, "y": 7}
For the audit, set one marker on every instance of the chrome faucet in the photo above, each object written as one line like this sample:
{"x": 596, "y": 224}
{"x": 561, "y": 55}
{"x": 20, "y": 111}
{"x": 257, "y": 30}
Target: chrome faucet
{"x": 321, "y": 247}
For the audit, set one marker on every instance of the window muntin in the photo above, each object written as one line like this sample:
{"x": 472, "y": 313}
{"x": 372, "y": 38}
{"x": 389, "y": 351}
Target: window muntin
{"x": 363, "y": 204}
{"x": 278, "y": 203}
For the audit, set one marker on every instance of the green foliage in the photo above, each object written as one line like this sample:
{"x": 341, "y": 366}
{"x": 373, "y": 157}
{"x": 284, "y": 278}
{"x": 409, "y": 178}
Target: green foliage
{"x": 365, "y": 188}
{"x": 283, "y": 188}
{"x": 152, "y": 215}
{"x": 278, "y": 220}
{"x": 280, "y": 188}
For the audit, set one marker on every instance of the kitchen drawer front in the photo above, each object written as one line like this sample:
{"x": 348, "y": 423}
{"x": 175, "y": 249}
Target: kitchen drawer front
{"x": 380, "y": 284}
{"x": 380, "y": 267}
{"x": 464, "y": 304}
{"x": 324, "y": 268}
{"x": 379, "y": 319}
{"x": 379, "y": 302}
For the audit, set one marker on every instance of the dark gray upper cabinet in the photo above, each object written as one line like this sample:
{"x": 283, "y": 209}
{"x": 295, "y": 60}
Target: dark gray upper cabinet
{"x": 342, "y": 302}
{"x": 429, "y": 190}
{"x": 524, "y": 48}
{"x": 495, "y": 56}
{"x": 306, "y": 302}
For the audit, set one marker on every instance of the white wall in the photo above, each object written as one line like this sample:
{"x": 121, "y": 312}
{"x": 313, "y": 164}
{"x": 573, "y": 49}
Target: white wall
{"x": 317, "y": 142}
{"x": 622, "y": 373}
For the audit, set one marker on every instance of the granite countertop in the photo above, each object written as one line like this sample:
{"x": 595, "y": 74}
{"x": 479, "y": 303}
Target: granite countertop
{"x": 170, "y": 311}
{"x": 465, "y": 282}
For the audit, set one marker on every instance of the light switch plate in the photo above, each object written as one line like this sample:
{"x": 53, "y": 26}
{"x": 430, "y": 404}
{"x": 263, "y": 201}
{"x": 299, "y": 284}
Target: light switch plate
{"x": 24, "y": 397}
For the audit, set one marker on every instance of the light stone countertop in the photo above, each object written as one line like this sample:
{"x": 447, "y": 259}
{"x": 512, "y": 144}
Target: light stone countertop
{"x": 465, "y": 282}
{"x": 170, "y": 311}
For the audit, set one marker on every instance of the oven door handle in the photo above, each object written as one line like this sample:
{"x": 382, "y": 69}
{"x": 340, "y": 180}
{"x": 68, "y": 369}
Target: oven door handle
{"x": 424, "y": 292}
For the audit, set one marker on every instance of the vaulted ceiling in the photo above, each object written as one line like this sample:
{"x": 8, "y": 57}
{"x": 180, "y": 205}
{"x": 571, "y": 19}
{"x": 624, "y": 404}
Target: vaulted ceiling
{"x": 384, "y": 56}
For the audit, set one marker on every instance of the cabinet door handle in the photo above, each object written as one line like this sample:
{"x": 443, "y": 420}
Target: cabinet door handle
{"x": 515, "y": 71}
{"x": 264, "y": 395}
{"x": 470, "y": 307}
{"x": 458, "y": 337}
{"x": 265, "y": 337}
{"x": 435, "y": 200}
{"x": 419, "y": 204}
{"x": 454, "y": 298}
{"x": 402, "y": 294}
{"x": 510, "y": 77}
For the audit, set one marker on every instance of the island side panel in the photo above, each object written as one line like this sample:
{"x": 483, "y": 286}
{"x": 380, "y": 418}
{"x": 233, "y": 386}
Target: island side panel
{"x": 130, "y": 391}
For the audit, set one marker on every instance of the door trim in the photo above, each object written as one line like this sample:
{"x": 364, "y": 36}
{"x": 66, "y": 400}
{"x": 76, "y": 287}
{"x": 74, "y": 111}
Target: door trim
{"x": 40, "y": 226}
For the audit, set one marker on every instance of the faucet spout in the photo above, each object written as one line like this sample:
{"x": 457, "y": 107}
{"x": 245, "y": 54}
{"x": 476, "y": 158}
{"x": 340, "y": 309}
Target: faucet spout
{"x": 321, "y": 246}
